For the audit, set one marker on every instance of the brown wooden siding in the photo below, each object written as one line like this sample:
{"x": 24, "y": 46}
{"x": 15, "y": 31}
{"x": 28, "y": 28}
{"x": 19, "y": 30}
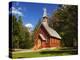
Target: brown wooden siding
{"x": 43, "y": 44}
{"x": 54, "y": 42}
{"x": 43, "y": 31}
{"x": 51, "y": 41}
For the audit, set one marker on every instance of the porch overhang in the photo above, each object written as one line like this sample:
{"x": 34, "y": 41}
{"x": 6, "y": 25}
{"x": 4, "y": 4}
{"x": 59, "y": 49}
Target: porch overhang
{"x": 42, "y": 37}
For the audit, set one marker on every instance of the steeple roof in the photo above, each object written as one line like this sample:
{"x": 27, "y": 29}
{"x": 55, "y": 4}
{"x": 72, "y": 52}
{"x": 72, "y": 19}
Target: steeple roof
{"x": 44, "y": 23}
{"x": 50, "y": 31}
{"x": 45, "y": 12}
{"x": 45, "y": 17}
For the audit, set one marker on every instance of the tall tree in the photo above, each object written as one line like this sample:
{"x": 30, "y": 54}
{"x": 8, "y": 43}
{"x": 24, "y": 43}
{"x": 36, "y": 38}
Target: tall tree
{"x": 14, "y": 32}
{"x": 64, "y": 21}
{"x": 20, "y": 29}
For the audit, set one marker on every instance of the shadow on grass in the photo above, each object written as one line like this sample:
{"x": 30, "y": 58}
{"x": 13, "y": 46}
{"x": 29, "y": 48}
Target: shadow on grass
{"x": 59, "y": 52}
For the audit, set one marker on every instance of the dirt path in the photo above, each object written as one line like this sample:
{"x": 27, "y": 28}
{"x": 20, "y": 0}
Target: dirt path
{"x": 22, "y": 50}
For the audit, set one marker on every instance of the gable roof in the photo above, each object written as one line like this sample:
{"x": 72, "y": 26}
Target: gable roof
{"x": 42, "y": 37}
{"x": 51, "y": 31}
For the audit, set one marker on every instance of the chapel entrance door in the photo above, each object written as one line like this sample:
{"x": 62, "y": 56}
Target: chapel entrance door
{"x": 43, "y": 44}
{"x": 39, "y": 43}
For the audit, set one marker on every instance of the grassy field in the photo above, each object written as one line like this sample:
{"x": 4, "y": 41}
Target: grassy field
{"x": 34, "y": 54}
{"x": 44, "y": 53}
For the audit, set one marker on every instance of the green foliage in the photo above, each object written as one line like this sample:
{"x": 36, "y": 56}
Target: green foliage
{"x": 20, "y": 35}
{"x": 64, "y": 21}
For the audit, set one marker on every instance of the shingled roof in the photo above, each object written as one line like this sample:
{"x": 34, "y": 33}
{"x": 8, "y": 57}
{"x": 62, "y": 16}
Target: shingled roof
{"x": 51, "y": 31}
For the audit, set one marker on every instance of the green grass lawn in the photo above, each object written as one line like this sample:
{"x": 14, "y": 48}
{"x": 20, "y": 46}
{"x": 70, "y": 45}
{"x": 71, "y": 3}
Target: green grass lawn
{"x": 44, "y": 53}
{"x": 35, "y": 54}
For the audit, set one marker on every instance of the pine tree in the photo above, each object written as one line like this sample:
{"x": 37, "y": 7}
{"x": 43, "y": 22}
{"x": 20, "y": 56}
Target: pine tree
{"x": 64, "y": 21}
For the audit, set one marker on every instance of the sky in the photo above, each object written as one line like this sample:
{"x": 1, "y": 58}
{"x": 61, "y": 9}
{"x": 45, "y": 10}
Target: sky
{"x": 31, "y": 12}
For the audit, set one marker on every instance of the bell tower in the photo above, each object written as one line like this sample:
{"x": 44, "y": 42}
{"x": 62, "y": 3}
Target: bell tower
{"x": 45, "y": 17}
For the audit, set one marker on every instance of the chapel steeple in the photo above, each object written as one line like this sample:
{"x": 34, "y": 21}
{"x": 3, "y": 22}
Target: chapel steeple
{"x": 45, "y": 17}
{"x": 45, "y": 12}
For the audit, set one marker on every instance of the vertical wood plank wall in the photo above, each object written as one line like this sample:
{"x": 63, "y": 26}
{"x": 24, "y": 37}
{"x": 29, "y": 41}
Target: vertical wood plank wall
{"x": 54, "y": 42}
